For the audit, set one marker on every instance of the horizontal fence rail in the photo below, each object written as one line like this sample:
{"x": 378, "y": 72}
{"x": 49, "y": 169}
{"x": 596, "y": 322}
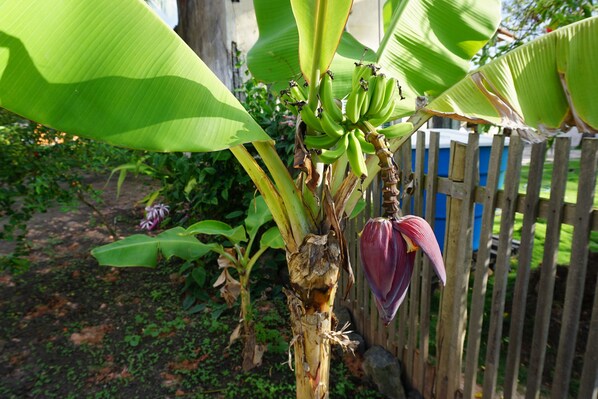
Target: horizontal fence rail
{"x": 496, "y": 329}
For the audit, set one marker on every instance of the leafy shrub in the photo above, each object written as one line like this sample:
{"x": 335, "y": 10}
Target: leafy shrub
{"x": 39, "y": 168}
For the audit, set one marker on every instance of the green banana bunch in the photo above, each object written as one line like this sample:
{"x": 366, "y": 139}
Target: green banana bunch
{"x": 397, "y": 130}
{"x": 355, "y": 156}
{"x": 330, "y": 156}
{"x": 327, "y": 98}
{"x": 373, "y": 96}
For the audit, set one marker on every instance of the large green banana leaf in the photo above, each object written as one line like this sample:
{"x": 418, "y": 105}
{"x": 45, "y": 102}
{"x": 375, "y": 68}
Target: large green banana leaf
{"x": 549, "y": 83}
{"x": 320, "y": 24}
{"x": 428, "y": 44}
{"x": 142, "y": 250}
{"x": 275, "y": 56}
{"x": 112, "y": 71}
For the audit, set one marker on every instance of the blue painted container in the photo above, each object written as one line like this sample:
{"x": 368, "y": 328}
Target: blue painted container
{"x": 446, "y": 136}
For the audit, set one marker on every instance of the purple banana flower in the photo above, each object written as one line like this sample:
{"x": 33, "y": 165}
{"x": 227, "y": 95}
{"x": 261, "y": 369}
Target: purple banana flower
{"x": 153, "y": 216}
{"x": 387, "y": 249}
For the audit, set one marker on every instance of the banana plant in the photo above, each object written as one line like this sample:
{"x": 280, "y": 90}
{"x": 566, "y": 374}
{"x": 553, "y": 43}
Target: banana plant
{"x": 112, "y": 71}
{"x": 143, "y": 250}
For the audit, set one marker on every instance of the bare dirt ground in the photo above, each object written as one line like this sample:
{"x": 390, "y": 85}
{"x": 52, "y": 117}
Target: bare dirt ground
{"x": 72, "y": 329}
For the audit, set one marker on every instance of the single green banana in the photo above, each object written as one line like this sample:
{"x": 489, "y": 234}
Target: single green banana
{"x": 396, "y": 130}
{"x": 320, "y": 142}
{"x": 366, "y": 146}
{"x": 365, "y": 98}
{"x": 361, "y": 70}
{"x": 356, "y": 72}
{"x": 327, "y": 98}
{"x": 352, "y": 105}
{"x": 287, "y": 100}
{"x": 331, "y": 127}
{"x": 377, "y": 87}
{"x": 367, "y": 71}
{"x": 390, "y": 90}
{"x": 309, "y": 117}
{"x": 385, "y": 113}
{"x": 355, "y": 155}
{"x": 329, "y": 156}
{"x": 297, "y": 92}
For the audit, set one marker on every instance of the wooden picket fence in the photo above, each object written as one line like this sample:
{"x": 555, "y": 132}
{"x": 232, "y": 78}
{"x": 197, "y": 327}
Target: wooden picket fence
{"x": 438, "y": 333}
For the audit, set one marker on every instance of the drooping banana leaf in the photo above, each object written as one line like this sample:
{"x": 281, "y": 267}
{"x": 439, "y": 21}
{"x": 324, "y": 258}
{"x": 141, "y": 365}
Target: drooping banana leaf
{"x": 548, "y": 84}
{"x": 142, "y": 250}
{"x": 275, "y": 56}
{"x": 428, "y": 44}
{"x": 112, "y": 71}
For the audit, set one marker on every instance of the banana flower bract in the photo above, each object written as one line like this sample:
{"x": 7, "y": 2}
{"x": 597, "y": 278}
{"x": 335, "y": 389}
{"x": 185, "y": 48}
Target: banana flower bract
{"x": 388, "y": 253}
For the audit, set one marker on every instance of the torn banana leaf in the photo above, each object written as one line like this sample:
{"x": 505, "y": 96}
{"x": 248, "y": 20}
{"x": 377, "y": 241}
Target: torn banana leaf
{"x": 549, "y": 84}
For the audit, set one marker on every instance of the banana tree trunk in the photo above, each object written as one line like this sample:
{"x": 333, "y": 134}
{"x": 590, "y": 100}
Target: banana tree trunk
{"x": 314, "y": 271}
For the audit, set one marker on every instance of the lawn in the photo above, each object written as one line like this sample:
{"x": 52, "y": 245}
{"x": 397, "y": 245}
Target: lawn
{"x": 566, "y": 238}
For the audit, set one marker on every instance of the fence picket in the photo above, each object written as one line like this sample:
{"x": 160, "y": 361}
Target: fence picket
{"x": 588, "y": 386}
{"x": 414, "y": 288}
{"x": 458, "y": 245}
{"x": 474, "y": 330}
{"x": 534, "y": 183}
{"x": 502, "y": 265}
{"x": 405, "y": 168}
{"x": 576, "y": 275}
{"x": 426, "y": 286}
{"x": 548, "y": 268}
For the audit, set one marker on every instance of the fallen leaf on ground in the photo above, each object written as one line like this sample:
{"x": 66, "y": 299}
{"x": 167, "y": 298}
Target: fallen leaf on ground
{"x": 184, "y": 365}
{"x": 90, "y": 335}
{"x": 170, "y": 379}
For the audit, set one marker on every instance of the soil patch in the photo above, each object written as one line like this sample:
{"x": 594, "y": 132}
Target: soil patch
{"x": 73, "y": 329}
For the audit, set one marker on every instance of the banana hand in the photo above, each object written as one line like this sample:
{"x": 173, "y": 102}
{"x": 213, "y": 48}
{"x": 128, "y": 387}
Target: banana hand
{"x": 377, "y": 89}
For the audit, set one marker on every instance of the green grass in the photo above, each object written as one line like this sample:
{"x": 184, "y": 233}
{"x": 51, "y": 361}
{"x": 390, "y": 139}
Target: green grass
{"x": 566, "y": 237}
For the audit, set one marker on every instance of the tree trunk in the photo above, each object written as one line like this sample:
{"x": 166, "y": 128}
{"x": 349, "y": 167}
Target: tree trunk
{"x": 314, "y": 271}
{"x": 203, "y": 26}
